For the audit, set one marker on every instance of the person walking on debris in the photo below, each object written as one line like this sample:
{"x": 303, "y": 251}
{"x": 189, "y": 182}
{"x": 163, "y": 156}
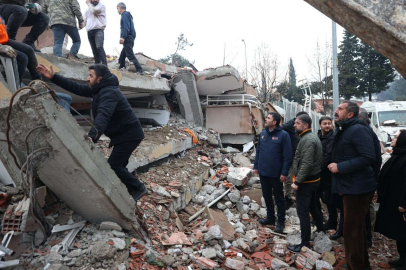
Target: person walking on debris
{"x": 113, "y": 116}
{"x": 294, "y": 139}
{"x": 63, "y": 14}
{"x": 306, "y": 169}
{"x": 127, "y": 37}
{"x": 17, "y": 13}
{"x": 391, "y": 218}
{"x": 96, "y": 21}
{"x": 272, "y": 162}
{"x": 326, "y": 136}
{"x": 353, "y": 158}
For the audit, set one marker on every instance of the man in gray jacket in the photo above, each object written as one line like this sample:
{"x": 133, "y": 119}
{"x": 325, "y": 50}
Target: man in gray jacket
{"x": 306, "y": 169}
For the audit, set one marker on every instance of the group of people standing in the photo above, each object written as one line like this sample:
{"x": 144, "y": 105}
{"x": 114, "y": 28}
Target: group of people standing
{"x": 341, "y": 167}
{"x": 64, "y": 17}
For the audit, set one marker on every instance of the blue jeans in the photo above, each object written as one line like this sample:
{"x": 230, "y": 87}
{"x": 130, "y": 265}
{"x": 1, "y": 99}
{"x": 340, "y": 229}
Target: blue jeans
{"x": 64, "y": 100}
{"x": 60, "y": 30}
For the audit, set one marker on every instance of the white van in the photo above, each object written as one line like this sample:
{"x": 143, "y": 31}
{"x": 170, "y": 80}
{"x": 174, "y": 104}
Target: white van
{"x": 387, "y": 118}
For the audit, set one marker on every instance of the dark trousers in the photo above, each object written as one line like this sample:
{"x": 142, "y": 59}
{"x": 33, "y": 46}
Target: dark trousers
{"x": 324, "y": 193}
{"x": 273, "y": 185}
{"x": 25, "y": 59}
{"x": 401, "y": 246}
{"x": 96, "y": 39}
{"x": 118, "y": 161}
{"x": 306, "y": 203}
{"x": 337, "y": 203}
{"x": 129, "y": 53}
{"x": 17, "y": 16}
{"x": 59, "y": 31}
{"x": 356, "y": 208}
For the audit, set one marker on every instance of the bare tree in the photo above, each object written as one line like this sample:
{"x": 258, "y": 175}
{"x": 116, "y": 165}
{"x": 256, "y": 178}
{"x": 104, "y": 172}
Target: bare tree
{"x": 321, "y": 72}
{"x": 264, "y": 72}
{"x": 181, "y": 45}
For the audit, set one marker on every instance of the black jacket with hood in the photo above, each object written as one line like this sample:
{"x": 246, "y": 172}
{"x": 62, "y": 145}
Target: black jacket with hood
{"x": 112, "y": 113}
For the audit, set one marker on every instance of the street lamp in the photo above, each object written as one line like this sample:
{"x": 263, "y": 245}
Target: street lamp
{"x": 246, "y": 68}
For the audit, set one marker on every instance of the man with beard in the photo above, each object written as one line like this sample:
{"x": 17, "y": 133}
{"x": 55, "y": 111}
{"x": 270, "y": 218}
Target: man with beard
{"x": 113, "y": 116}
{"x": 272, "y": 161}
{"x": 326, "y": 136}
{"x": 306, "y": 169}
{"x": 353, "y": 159}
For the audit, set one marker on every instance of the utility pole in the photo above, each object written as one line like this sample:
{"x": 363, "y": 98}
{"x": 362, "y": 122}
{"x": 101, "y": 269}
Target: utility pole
{"x": 246, "y": 66}
{"x": 336, "y": 96}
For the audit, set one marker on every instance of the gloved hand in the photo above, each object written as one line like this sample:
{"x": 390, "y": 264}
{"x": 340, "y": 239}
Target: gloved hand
{"x": 8, "y": 51}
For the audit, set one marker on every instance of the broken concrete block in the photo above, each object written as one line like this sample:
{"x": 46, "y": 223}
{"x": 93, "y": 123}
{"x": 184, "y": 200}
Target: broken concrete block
{"x": 262, "y": 213}
{"x": 254, "y": 207}
{"x": 242, "y": 208}
{"x": 198, "y": 199}
{"x": 322, "y": 265}
{"x": 307, "y": 258}
{"x": 238, "y": 176}
{"x": 322, "y": 243}
{"x": 103, "y": 251}
{"x": 213, "y": 233}
{"x": 294, "y": 239}
{"x": 246, "y": 199}
{"x": 253, "y": 180}
{"x": 209, "y": 253}
{"x": 234, "y": 196}
{"x": 108, "y": 225}
{"x": 278, "y": 264}
{"x": 118, "y": 243}
{"x": 242, "y": 160}
{"x": 220, "y": 219}
{"x": 329, "y": 257}
{"x": 168, "y": 260}
{"x": 160, "y": 190}
{"x": 228, "y": 204}
{"x": 221, "y": 206}
{"x": 234, "y": 264}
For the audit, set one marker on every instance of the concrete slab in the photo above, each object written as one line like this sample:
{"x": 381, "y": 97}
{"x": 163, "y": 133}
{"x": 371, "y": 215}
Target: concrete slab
{"x": 218, "y": 81}
{"x": 75, "y": 170}
{"x": 132, "y": 85}
{"x": 153, "y": 65}
{"x": 220, "y": 219}
{"x": 379, "y": 23}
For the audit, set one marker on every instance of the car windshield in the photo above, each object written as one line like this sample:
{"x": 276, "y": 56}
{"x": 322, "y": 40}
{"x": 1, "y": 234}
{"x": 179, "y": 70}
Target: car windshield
{"x": 398, "y": 116}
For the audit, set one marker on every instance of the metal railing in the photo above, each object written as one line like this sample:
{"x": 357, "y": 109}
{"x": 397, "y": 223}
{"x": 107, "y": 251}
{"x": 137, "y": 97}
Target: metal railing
{"x": 292, "y": 108}
{"x": 232, "y": 99}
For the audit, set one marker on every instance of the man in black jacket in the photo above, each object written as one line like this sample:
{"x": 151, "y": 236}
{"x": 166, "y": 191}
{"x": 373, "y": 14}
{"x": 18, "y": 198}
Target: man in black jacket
{"x": 113, "y": 116}
{"x": 326, "y": 136}
{"x": 294, "y": 139}
{"x": 353, "y": 158}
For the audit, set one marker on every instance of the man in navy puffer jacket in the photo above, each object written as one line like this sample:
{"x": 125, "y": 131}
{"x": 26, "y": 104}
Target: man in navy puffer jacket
{"x": 272, "y": 161}
{"x": 113, "y": 116}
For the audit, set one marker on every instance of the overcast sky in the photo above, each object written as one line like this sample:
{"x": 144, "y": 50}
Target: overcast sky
{"x": 291, "y": 28}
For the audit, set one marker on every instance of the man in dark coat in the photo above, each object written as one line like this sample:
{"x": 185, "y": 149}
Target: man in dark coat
{"x": 272, "y": 162}
{"x": 326, "y": 136}
{"x": 113, "y": 116}
{"x": 353, "y": 158}
{"x": 391, "y": 218}
{"x": 294, "y": 139}
{"x": 127, "y": 37}
{"x": 19, "y": 13}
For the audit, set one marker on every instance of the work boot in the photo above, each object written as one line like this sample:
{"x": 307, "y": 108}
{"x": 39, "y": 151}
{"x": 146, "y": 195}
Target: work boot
{"x": 330, "y": 226}
{"x": 288, "y": 202}
{"x": 279, "y": 228}
{"x": 297, "y": 248}
{"x": 337, "y": 235}
{"x": 71, "y": 56}
{"x": 139, "y": 71}
{"x": 137, "y": 194}
{"x": 267, "y": 221}
{"x": 397, "y": 263}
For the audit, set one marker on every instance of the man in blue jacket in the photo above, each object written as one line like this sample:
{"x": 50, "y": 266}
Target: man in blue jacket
{"x": 127, "y": 38}
{"x": 113, "y": 116}
{"x": 272, "y": 162}
{"x": 353, "y": 160}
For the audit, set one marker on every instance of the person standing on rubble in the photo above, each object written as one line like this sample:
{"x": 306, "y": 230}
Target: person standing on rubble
{"x": 96, "y": 21}
{"x": 17, "y": 13}
{"x": 127, "y": 37}
{"x": 63, "y": 14}
{"x": 113, "y": 116}
{"x": 326, "y": 136}
{"x": 294, "y": 139}
{"x": 272, "y": 162}
{"x": 353, "y": 160}
{"x": 306, "y": 169}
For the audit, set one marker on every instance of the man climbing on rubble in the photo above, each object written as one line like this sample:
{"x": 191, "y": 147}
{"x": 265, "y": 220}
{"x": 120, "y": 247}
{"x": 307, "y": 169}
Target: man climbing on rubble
{"x": 272, "y": 162}
{"x": 306, "y": 169}
{"x": 294, "y": 139}
{"x": 113, "y": 116}
{"x": 63, "y": 14}
{"x": 353, "y": 160}
{"x": 127, "y": 37}
{"x": 96, "y": 21}
{"x": 23, "y": 13}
